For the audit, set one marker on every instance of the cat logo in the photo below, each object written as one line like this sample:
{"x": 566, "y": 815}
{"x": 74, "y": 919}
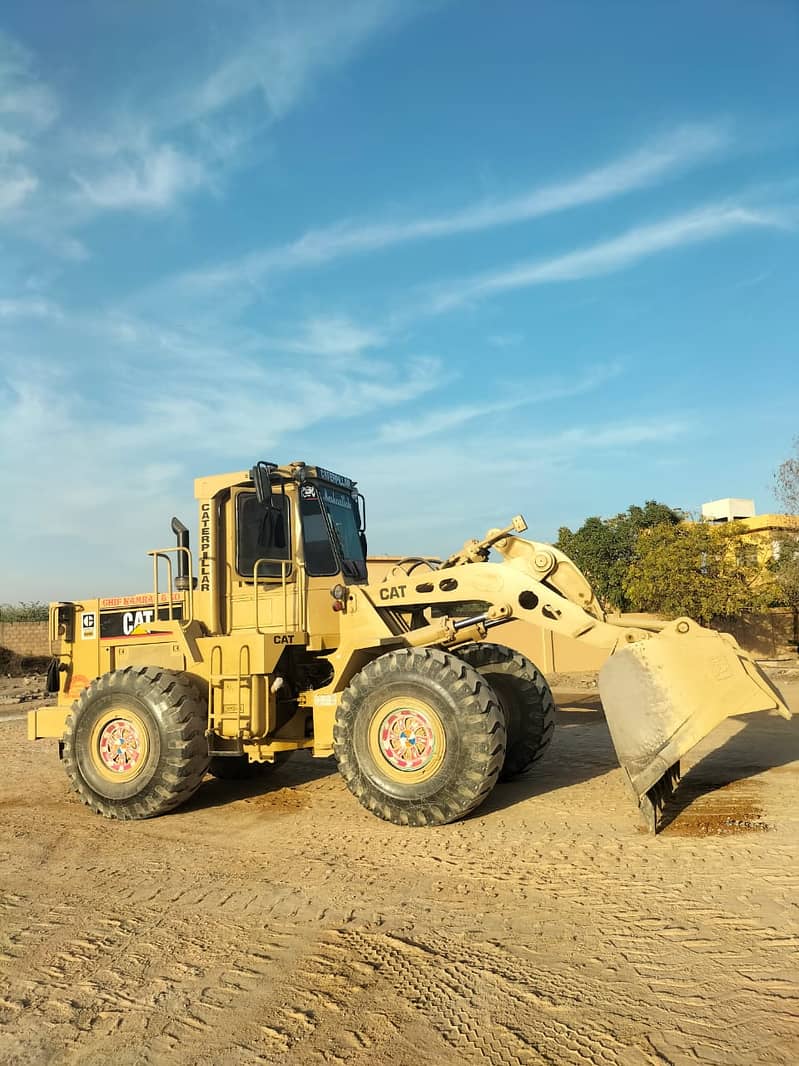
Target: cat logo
{"x": 394, "y": 592}
{"x": 134, "y": 622}
{"x": 286, "y": 638}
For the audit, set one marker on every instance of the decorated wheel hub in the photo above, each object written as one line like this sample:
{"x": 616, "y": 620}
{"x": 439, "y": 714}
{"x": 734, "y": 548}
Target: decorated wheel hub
{"x": 407, "y": 739}
{"x": 120, "y": 745}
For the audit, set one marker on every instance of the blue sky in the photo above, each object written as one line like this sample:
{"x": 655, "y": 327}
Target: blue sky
{"x": 486, "y": 259}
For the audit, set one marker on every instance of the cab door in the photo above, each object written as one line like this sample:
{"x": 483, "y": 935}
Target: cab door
{"x": 263, "y": 575}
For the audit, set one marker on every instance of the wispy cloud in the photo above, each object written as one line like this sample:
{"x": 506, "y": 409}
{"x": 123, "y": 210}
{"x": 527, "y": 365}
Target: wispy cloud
{"x": 655, "y": 161}
{"x": 530, "y": 476}
{"x": 27, "y": 107}
{"x": 605, "y": 257}
{"x": 16, "y": 185}
{"x": 333, "y": 336}
{"x": 620, "y": 435}
{"x": 446, "y": 419}
{"x": 148, "y": 177}
{"x": 196, "y": 132}
{"x": 24, "y": 99}
{"x": 282, "y": 52}
{"x": 183, "y": 135}
{"x": 28, "y": 308}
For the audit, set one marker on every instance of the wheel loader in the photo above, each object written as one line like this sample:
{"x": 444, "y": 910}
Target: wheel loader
{"x": 273, "y": 638}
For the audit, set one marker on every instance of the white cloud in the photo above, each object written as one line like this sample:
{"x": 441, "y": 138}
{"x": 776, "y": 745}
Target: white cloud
{"x": 684, "y": 147}
{"x": 146, "y": 177}
{"x": 444, "y": 420}
{"x": 333, "y": 336}
{"x": 11, "y": 144}
{"x": 16, "y": 185}
{"x": 620, "y": 435}
{"x": 28, "y": 308}
{"x": 27, "y": 107}
{"x": 24, "y": 99}
{"x": 281, "y": 53}
{"x": 605, "y": 257}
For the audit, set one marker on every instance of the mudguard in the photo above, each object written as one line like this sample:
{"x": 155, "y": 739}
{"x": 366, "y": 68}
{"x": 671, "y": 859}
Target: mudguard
{"x": 664, "y": 694}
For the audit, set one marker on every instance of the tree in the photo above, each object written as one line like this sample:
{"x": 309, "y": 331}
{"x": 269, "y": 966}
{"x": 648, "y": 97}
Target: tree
{"x": 786, "y": 547}
{"x": 785, "y": 568}
{"x": 24, "y": 612}
{"x": 787, "y": 482}
{"x": 696, "y": 569}
{"x": 604, "y": 548}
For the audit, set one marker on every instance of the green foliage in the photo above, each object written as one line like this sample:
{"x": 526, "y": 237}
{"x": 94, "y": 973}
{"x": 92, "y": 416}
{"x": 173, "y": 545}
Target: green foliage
{"x": 604, "y": 548}
{"x": 696, "y": 569}
{"x": 23, "y": 612}
{"x": 785, "y": 569}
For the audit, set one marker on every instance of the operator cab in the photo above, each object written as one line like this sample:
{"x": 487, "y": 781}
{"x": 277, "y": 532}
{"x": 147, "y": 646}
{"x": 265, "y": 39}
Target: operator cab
{"x": 332, "y": 519}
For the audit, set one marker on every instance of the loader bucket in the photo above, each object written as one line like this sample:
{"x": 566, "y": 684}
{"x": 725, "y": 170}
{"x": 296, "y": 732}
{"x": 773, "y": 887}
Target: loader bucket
{"x": 662, "y": 695}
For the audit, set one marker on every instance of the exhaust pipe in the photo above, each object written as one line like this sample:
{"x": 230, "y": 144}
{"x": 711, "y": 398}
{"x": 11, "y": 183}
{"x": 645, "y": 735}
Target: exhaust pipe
{"x": 182, "y": 534}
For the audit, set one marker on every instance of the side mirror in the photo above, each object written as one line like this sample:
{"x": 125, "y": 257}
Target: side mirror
{"x": 261, "y": 475}
{"x": 361, "y": 503}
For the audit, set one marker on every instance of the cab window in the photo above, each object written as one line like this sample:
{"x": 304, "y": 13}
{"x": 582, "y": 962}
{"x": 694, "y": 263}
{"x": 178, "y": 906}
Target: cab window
{"x": 262, "y": 533}
{"x": 320, "y": 559}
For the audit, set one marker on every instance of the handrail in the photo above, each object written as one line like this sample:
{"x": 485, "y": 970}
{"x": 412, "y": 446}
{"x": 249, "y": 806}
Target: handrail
{"x": 212, "y": 710}
{"x": 188, "y": 594}
{"x": 244, "y": 671}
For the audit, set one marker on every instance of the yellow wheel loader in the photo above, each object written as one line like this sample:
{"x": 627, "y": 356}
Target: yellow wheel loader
{"x": 275, "y": 637}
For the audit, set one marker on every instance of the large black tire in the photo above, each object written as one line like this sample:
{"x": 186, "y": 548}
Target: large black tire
{"x": 419, "y": 737}
{"x": 135, "y": 743}
{"x": 526, "y": 699}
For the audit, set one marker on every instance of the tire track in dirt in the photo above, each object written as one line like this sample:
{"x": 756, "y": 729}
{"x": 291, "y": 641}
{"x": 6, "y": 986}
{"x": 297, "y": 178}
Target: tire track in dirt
{"x": 89, "y": 979}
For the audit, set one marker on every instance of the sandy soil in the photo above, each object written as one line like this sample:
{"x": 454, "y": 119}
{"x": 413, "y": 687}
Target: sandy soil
{"x": 283, "y": 923}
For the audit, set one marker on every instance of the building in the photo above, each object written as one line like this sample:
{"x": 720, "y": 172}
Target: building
{"x": 761, "y": 535}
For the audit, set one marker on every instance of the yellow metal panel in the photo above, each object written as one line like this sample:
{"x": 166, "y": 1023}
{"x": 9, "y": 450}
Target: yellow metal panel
{"x": 47, "y": 722}
{"x": 167, "y": 655}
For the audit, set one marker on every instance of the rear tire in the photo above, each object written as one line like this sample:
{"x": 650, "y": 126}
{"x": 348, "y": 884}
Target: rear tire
{"x": 135, "y": 743}
{"x": 526, "y": 699}
{"x": 419, "y": 737}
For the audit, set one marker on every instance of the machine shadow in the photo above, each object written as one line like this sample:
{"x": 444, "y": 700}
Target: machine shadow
{"x": 765, "y": 743}
{"x": 581, "y": 750}
{"x": 300, "y": 769}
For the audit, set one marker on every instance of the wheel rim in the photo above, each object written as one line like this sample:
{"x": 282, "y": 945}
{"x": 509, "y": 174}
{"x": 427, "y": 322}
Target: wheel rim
{"x": 120, "y": 745}
{"x": 407, "y": 740}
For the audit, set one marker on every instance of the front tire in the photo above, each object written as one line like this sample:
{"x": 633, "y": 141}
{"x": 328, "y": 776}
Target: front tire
{"x": 526, "y": 699}
{"x": 135, "y": 743}
{"x": 419, "y": 737}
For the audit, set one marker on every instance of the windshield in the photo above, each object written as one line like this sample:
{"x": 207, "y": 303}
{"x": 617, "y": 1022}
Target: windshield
{"x": 330, "y": 513}
{"x": 343, "y": 514}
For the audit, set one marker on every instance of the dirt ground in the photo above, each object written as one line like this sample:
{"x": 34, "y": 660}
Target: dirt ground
{"x": 283, "y": 923}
